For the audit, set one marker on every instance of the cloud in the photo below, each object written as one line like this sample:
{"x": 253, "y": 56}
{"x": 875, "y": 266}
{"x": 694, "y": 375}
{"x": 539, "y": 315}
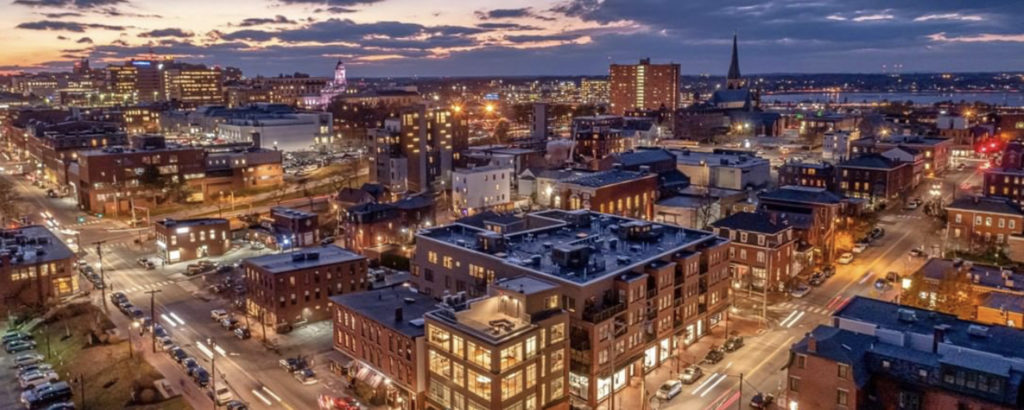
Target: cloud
{"x": 506, "y": 26}
{"x": 77, "y": 4}
{"x": 338, "y": 3}
{"x": 167, "y": 32}
{"x": 541, "y": 38}
{"x": 978, "y": 38}
{"x": 84, "y": 40}
{"x": 63, "y": 38}
{"x": 345, "y": 30}
{"x": 507, "y": 13}
{"x": 66, "y": 26}
{"x": 335, "y": 10}
{"x": 873, "y": 17}
{"x": 61, "y": 15}
{"x": 835, "y": 17}
{"x": 949, "y": 16}
{"x": 256, "y": 21}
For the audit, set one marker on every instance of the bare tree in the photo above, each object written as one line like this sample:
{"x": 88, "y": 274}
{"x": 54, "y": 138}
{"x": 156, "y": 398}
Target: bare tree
{"x": 705, "y": 209}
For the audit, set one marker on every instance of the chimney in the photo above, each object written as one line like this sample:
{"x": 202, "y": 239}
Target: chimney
{"x": 398, "y": 314}
{"x": 812, "y": 343}
{"x": 938, "y": 336}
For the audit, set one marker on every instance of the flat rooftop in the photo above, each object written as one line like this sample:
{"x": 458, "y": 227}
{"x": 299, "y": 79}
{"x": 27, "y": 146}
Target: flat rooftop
{"x": 304, "y": 258}
{"x": 556, "y": 235}
{"x": 493, "y": 318}
{"x": 380, "y": 305}
{"x": 191, "y": 222}
{"x": 982, "y": 275}
{"x": 33, "y": 244}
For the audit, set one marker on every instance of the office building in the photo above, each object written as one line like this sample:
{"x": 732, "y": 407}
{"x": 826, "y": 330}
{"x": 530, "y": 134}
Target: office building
{"x": 637, "y": 293}
{"x": 192, "y": 85}
{"x": 643, "y": 86}
{"x": 882, "y": 355}
{"x": 181, "y": 240}
{"x": 593, "y": 91}
{"x": 723, "y": 168}
{"x": 293, "y": 288}
{"x": 115, "y": 180}
{"x": 38, "y": 269}
{"x": 506, "y": 350}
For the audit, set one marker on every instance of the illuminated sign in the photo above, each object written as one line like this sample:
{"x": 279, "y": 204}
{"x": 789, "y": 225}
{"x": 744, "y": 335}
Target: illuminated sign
{"x": 141, "y": 63}
{"x": 491, "y": 97}
{"x": 181, "y": 230}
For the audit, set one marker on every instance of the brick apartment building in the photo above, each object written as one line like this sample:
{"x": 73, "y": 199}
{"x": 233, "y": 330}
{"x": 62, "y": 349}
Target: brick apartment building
{"x": 936, "y": 151}
{"x": 299, "y": 228}
{"x": 374, "y": 224}
{"x": 37, "y": 268}
{"x": 1006, "y": 177}
{"x": 241, "y": 170}
{"x": 643, "y": 86}
{"x": 881, "y": 355}
{"x": 381, "y": 332}
{"x": 626, "y": 193}
{"x": 977, "y": 221}
{"x": 637, "y": 293}
{"x": 815, "y": 175}
{"x": 875, "y": 178}
{"x": 1000, "y": 290}
{"x": 112, "y": 180}
{"x": 812, "y": 212}
{"x": 760, "y": 250}
{"x": 287, "y": 289}
{"x": 188, "y": 239}
{"x": 53, "y": 147}
{"x": 507, "y": 350}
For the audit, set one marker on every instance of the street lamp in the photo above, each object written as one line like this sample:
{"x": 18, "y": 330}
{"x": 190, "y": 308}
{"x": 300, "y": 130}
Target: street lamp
{"x": 212, "y": 355}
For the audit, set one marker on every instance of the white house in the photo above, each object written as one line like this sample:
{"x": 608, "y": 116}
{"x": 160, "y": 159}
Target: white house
{"x": 481, "y": 188}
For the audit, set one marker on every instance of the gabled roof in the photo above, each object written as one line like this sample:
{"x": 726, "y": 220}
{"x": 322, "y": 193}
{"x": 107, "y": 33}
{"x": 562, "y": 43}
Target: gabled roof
{"x": 874, "y": 161}
{"x": 749, "y": 221}
{"x": 992, "y": 205}
{"x": 801, "y": 194}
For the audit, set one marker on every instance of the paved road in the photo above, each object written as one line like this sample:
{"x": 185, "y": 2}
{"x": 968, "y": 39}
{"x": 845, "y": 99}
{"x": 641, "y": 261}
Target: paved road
{"x": 763, "y": 358}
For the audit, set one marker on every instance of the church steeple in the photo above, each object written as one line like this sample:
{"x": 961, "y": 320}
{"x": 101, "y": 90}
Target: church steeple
{"x": 733, "y": 80}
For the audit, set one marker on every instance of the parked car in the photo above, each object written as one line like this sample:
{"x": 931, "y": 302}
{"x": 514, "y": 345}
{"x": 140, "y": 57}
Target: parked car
{"x": 165, "y": 343}
{"x": 691, "y": 374}
{"x": 10, "y": 337}
{"x": 159, "y": 332}
{"x": 62, "y": 406}
{"x": 291, "y": 364}
{"x": 670, "y": 389}
{"x": 201, "y": 376}
{"x": 32, "y": 379}
{"x": 800, "y": 290}
{"x": 46, "y": 394}
{"x": 221, "y": 394}
{"x": 733, "y": 344}
{"x": 845, "y": 259}
{"x": 829, "y": 271}
{"x": 911, "y": 205}
{"x": 881, "y": 284}
{"x": 714, "y": 355}
{"x": 305, "y": 376}
{"x": 229, "y": 323}
{"x": 918, "y": 253}
{"x": 761, "y": 400}
{"x": 218, "y": 314}
{"x": 859, "y": 247}
{"x": 126, "y": 307}
{"x": 177, "y": 354}
{"x": 38, "y": 367}
{"x": 117, "y": 298}
{"x": 190, "y": 364}
{"x": 27, "y": 359}
{"x": 817, "y": 279}
{"x": 137, "y": 315}
{"x": 877, "y": 233}
{"x": 892, "y": 277}
{"x": 19, "y": 346}
{"x": 243, "y": 333}
{"x": 236, "y": 405}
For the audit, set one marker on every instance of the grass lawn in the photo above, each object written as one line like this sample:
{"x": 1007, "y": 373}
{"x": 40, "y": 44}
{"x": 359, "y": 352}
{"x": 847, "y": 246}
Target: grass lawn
{"x": 78, "y": 351}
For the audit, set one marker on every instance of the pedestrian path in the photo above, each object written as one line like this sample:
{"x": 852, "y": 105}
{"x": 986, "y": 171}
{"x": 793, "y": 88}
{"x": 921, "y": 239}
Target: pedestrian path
{"x": 150, "y": 286}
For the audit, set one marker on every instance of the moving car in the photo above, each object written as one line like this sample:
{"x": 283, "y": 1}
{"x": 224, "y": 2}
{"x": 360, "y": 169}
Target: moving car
{"x": 305, "y": 376}
{"x": 670, "y": 389}
{"x": 691, "y": 374}
{"x": 800, "y": 290}
{"x": 733, "y": 344}
{"x": 845, "y": 259}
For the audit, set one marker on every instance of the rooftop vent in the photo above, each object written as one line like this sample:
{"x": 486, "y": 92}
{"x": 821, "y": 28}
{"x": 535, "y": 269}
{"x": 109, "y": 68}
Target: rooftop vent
{"x": 977, "y": 330}
{"x": 906, "y": 315}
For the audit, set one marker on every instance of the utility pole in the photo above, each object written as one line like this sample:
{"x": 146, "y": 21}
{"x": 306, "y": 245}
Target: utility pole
{"x": 81, "y": 385}
{"x": 152, "y": 314}
{"x": 103, "y": 277}
{"x": 739, "y": 402}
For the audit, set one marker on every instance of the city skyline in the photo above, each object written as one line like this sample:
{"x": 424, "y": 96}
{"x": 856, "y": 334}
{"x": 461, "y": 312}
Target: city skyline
{"x": 380, "y": 38}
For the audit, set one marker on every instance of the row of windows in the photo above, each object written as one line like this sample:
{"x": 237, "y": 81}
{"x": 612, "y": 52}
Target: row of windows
{"x": 988, "y": 221}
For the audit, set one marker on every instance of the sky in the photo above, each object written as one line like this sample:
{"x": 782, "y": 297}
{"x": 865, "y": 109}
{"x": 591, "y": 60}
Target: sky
{"x": 381, "y": 38}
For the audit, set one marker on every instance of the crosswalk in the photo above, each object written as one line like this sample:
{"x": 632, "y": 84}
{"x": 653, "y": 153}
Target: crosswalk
{"x": 804, "y": 307}
{"x": 86, "y": 223}
{"x": 150, "y": 286}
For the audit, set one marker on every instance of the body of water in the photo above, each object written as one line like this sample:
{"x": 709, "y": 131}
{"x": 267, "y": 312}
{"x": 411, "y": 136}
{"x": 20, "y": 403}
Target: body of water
{"x": 1012, "y": 99}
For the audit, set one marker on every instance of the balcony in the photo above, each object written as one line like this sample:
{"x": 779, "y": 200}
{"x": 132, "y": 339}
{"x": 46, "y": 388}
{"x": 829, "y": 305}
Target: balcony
{"x": 600, "y": 313}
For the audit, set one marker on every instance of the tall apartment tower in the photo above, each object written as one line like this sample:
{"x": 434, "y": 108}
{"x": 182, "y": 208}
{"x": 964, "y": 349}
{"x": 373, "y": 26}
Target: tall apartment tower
{"x": 539, "y": 127}
{"x": 429, "y": 139}
{"x": 643, "y": 86}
